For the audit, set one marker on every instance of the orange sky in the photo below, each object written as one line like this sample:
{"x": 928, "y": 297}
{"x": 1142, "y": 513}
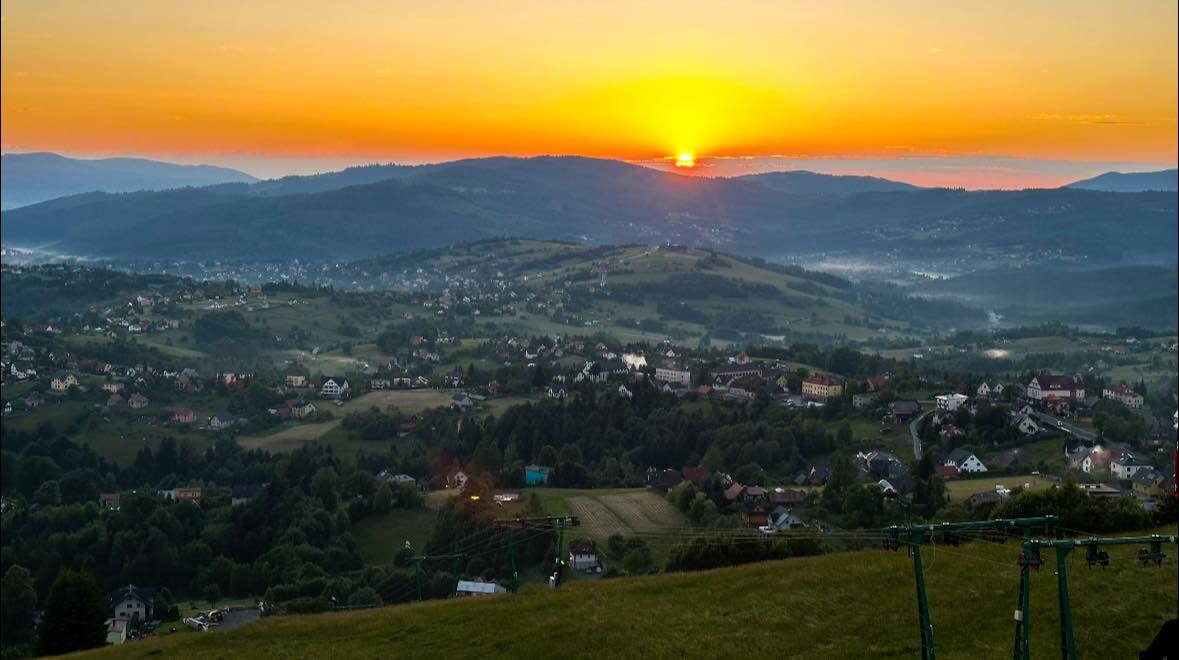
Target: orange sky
{"x": 1058, "y": 80}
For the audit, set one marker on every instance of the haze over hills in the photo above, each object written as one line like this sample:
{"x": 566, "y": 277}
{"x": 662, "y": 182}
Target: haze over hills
{"x": 37, "y": 177}
{"x": 1131, "y": 181}
{"x": 363, "y": 212}
{"x": 803, "y": 182}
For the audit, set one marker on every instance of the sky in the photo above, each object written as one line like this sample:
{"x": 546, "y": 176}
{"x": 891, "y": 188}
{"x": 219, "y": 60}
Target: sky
{"x": 995, "y": 94}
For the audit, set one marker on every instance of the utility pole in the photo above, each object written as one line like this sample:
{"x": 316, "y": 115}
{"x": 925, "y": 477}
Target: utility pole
{"x": 1150, "y": 554}
{"x": 521, "y": 523}
{"x": 916, "y": 536}
{"x": 417, "y": 568}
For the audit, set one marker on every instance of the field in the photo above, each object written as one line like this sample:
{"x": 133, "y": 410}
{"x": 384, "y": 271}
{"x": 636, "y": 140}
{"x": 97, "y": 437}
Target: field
{"x": 827, "y": 603}
{"x": 961, "y": 489}
{"x": 378, "y": 538}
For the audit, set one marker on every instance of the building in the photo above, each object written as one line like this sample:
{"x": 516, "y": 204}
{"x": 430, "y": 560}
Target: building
{"x": 110, "y": 500}
{"x": 822, "y": 386}
{"x": 478, "y": 588}
{"x": 295, "y": 381}
{"x": 727, "y": 372}
{"x": 904, "y": 410}
{"x": 949, "y": 402}
{"x": 456, "y": 479}
{"x": 335, "y": 386}
{"x": 63, "y": 381}
{"x": 1101, "y": 490}
{"x": 243, "y": 493}
{"x": 183, "y": 416}
{"x": 137, "y": 401}
{"x": 583, "y": 555}
{"x": 1124, "y": 395}
{"x": 1125, "y": 466}
{"x": 1024, "y": 423}
{"x": 116, "y": 631}
{"x": 1062, "y": 387}
{"x": 667, "y": 375}
{"x": 861, "y": 401}
{"x": 536, "y": 475}
{"x": 220, "y": 421}
{"x": 132, "y": 603}
{"x": 993, "y": 389}
{"x": 964, "y": 460}
{"x": 184, "y": 493}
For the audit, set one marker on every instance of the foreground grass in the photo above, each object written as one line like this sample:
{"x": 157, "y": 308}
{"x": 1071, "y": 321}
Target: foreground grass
{"x": 847, "y": 605}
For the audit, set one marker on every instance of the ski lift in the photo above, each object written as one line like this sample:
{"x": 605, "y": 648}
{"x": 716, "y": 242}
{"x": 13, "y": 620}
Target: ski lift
{"x": 1031, "y": 559}
{"x": 1096, "y": 556}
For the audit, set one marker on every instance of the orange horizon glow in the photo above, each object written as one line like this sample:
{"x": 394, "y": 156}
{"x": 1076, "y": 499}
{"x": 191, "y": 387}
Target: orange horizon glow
{"x": 1048, "y": 80}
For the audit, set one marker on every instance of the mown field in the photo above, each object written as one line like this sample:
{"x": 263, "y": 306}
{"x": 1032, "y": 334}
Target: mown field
{"x": 961, "y": 489}
{"x": 850, "y": 605}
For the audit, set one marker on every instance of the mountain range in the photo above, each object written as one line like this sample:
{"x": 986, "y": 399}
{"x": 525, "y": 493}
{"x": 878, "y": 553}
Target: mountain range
{"x": 37, "y": 177}
{"x": 366, "y": 211}
{"x": 1131, "y": 181}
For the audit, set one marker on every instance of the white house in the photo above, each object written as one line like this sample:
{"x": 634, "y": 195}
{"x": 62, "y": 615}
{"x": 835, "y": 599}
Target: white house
{"x": 949, "y": 402}
{"x": 666, "y": 375}
{"x": 994, "y": 389}
{"x": 964, "y": 461}
{"x": 1064, "y": 387}
{"x": 583, "y": 556}
{"x": 131, "y": 603}
{"x": 335, "y": 387}
{"x": 1024, "y": 423}
{"x": 1126, "y": 466}
{"x": 1124, "y": 395}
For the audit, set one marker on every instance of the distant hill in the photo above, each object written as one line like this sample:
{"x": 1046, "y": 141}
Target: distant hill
{"x": 1131, "y": 181}
{"x": 842, "y": 605}
{"x": 364, "y": 212}
{"x": 802, "y": 182}
{"x": 37, "y": 177}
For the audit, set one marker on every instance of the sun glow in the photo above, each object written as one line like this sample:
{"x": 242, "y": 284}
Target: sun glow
{"x": 685, "y": 160}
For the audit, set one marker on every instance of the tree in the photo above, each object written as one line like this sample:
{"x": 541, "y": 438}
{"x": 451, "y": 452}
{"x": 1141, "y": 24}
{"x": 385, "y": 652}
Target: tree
{"x": 547, "y": 456}
{"x": 638, "y": 561}
{"x": 18, "y": 599}
{"x": 383, "y": 500}
{"x": 323, "y": 486}
{"x": 365, "y": 597}
{"x": 212, "y": 593}
{"x": 75, "y": 614}
{"x": 48, "y": 494}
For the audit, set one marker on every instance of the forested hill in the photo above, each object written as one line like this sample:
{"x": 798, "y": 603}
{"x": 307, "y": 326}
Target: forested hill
{"x": 370, "y": 211}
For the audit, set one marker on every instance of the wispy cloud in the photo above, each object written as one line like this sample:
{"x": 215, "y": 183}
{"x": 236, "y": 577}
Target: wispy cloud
{"x": 1104, "y": 118}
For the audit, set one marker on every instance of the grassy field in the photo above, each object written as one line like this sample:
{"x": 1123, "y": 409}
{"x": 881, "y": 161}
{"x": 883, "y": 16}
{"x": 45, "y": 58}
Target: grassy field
{"x": 641, "y": 513}
{"x": 961, "y": 489}
{"x": 850, "y": 605}
{"x": 378, "y": 538}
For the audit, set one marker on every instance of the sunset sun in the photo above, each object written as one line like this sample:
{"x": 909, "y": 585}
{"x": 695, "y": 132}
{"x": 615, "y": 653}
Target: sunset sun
{"x": 685, "y": 160}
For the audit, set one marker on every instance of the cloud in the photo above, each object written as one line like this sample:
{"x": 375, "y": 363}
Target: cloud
{"x": 1106, "y": 118}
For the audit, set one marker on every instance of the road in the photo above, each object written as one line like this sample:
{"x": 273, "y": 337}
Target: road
{"x": 914, "y": 430}
{"x": 1056, "y": 423}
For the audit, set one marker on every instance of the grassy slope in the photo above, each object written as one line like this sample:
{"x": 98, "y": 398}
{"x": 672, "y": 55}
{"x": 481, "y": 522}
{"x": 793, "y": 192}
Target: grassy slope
{"x": 843, "y": 605}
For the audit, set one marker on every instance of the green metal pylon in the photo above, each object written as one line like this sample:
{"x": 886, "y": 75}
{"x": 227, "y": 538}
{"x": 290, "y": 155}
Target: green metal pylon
{"x": 927, "y": 648}
{"x": 1029, "y": 558}
{"x": 512, "y": 559}
{"x": 560, "y": 544}
{"x": 1068, "y": 646}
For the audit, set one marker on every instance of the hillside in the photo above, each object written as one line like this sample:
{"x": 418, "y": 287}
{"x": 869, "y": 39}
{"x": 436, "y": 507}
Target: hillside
{"x": 598, "y": 202}
{"x": 802, "y": 182}
{"x": 38, "y": 177}
{"x": 1131, "y": 181}
{"x": 858, "y": 604}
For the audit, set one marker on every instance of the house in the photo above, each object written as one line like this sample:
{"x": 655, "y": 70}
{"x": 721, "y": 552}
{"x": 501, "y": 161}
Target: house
{"x": 219, "y": 421}
{"x": 335, "y": 387}
{"x": 1024, "y": 423}
{"x": 1124, "y": 395}
{"x": 395, "y": 480}
{"x": 1006, "y": 459}
{"x": 880, "y": 463}
{"x": 183, "y": 416}
{"x": 964, "y": 461}
{"x": 456, "y": 479}
{"x": 1062, "y": 387}
{"x": 878, "y": 383}
{"x": 861, "y": 401}
{"x": 115, "y": 401}
{"x": 116, "y": 631}
{"x": 992, "y": 389}
{"x": 110, "y": 500}
{"x": 904, "y": 410}
{"x": 295, "y": 380}
{"x": 138, "y": 401}
{"x": 902, "y": 484}
{"x": 183, "y": 493}
{"x": 985, "y": 497}
{"x": 1101, "y": 490}
{"x": 536, "y": 474}
{"x": 822, "y": 386}
{"x": 379, "y": 383}
{"x": 696, "y": 475}
{"x": 112, "y": 387}
{"x": 679, "y": 376}
{"x": 755, "y": 514}
{"x": 781, "y": 519}
{"x": 1125, "y": 466}
{"x": 728, "y": 372}
{"x": 478, "y": 588}
{"x": 949, "y": 402}
{"x": 583, "y": 555}
{"x": 63, "y": 381}
{"x": 947, "y": 471}
{"x": 1146, "y": 482}
{"x": 786, "y": 497}
{"x": 132, "y": 603}
{"x": 662, "y": 479}
{"x": 243, "y": 493}
{"x": 819, "y": 475}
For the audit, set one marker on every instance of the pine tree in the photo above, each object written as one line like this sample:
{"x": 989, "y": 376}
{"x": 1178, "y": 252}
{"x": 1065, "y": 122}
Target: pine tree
{"x": 75, "y": 614}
